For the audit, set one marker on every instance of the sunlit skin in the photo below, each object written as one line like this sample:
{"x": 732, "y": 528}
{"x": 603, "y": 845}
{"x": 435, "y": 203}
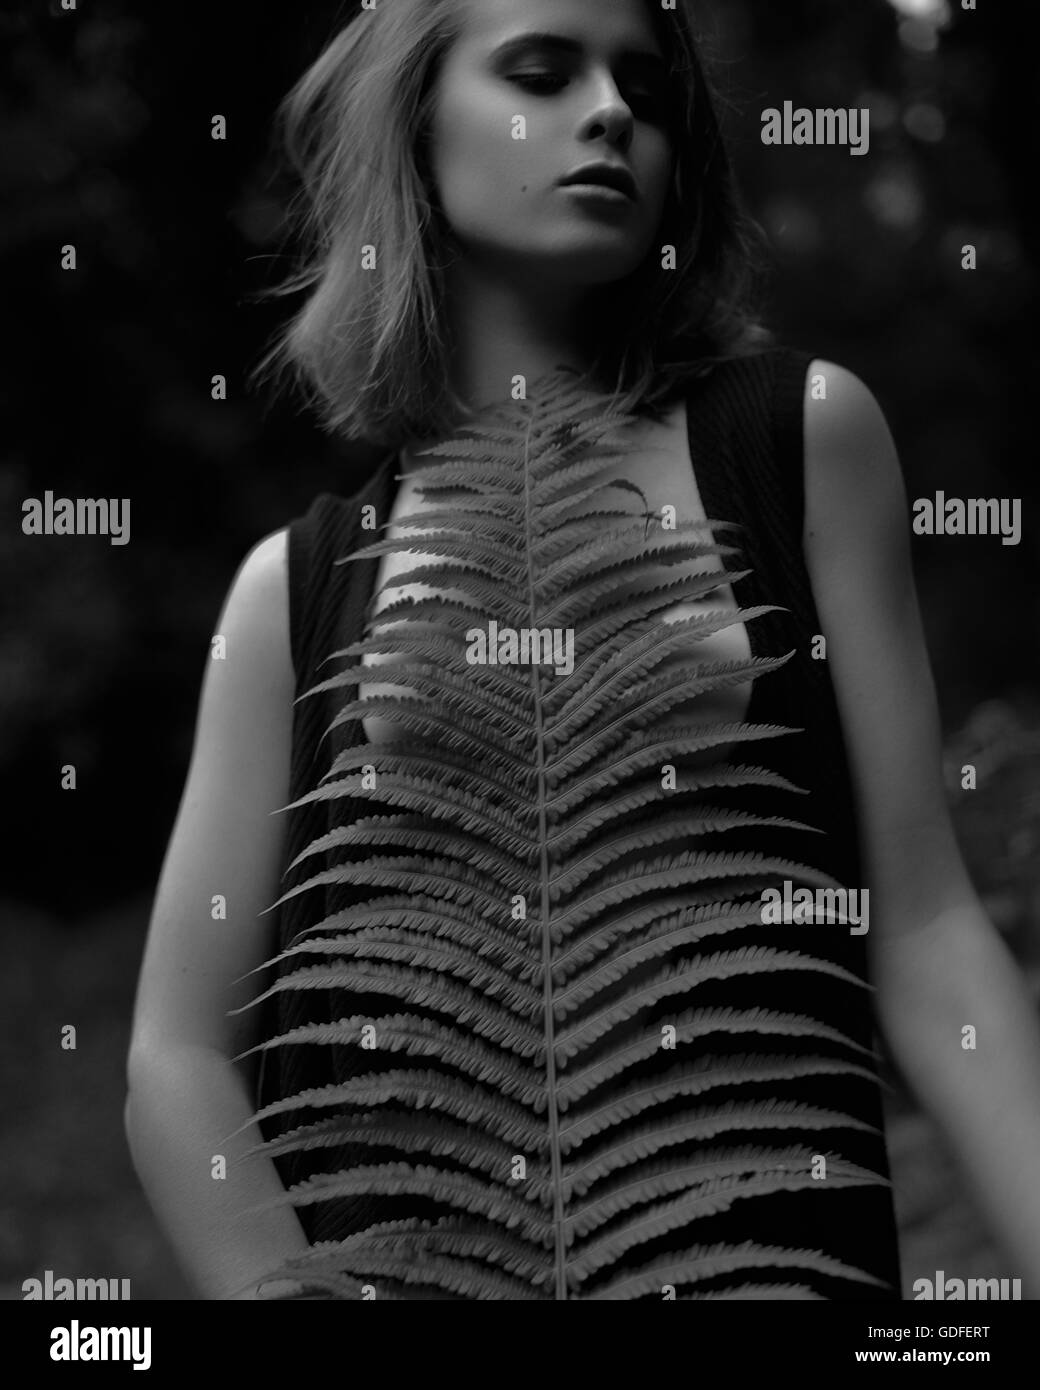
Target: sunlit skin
{"x": 529, "y": 251}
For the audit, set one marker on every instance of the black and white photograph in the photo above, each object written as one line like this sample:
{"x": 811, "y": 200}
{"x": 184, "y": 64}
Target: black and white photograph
{"x": 521, "y": 692}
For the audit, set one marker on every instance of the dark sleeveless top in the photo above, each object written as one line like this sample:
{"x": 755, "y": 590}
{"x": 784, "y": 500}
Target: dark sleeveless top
{"x": 745, "y": 423}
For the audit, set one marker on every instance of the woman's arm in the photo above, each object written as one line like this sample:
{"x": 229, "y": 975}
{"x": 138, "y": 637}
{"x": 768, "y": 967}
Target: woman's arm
{"x": 184, "y": 1093}
{"x": 939, "y": 965}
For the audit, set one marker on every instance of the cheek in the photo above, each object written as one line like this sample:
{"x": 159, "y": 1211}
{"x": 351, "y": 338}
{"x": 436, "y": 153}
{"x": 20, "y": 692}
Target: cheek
{"x": 475, "y": 159}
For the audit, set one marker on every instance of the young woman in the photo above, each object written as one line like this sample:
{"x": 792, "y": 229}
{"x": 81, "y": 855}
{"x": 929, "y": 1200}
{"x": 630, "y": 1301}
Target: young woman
{"x": 457, "y": 156}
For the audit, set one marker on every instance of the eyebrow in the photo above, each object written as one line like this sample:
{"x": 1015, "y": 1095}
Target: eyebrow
{"x": 562, "y": 43}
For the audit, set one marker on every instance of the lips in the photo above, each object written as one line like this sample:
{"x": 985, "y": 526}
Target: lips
{"x": 607, "y": 176}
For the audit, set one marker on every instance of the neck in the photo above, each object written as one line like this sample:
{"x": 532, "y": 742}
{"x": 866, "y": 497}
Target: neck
{"x": 502, "y": 327}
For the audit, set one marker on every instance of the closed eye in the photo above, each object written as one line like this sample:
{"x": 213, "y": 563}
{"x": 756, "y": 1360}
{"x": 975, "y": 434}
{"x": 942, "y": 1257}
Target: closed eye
{"x": 537, "y": 82}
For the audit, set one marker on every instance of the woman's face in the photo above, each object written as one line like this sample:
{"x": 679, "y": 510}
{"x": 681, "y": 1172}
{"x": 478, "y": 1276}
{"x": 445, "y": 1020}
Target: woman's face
{"x": 599, "y": 97}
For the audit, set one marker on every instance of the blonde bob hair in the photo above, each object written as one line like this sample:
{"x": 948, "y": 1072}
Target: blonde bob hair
{"x": 370, "y": 347}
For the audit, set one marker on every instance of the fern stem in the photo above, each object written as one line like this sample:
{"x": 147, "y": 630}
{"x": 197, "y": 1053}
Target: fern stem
{"x": 556, "y": 1176}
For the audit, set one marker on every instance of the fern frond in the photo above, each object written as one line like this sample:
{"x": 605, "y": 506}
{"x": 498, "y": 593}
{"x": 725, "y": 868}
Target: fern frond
{"x": 555, "y": 1084}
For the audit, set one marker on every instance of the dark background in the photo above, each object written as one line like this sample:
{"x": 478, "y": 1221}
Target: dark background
{"x": 105, "y": 392}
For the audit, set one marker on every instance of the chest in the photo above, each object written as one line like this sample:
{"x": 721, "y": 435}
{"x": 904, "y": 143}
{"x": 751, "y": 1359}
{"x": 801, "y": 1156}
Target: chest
{"x": 661, "y": 466}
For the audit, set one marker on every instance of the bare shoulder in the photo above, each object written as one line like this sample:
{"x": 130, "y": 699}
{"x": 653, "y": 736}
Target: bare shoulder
{"x": 271, "y": 549}
{"x": 850, "y": 456}
{"x": 257, "y": 603}
{"x": 266, "y": 566}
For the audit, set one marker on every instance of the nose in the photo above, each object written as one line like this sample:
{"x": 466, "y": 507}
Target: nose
{"x": 609, "y": 114}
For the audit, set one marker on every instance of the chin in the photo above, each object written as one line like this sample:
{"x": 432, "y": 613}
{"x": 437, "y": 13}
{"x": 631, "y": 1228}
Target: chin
{"x": 569, "y": 262}
{"x": 594, "y": 268}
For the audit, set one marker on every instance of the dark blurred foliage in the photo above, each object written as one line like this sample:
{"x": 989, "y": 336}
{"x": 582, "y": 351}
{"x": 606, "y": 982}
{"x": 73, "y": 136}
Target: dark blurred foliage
{"x": 106, "y": 144}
